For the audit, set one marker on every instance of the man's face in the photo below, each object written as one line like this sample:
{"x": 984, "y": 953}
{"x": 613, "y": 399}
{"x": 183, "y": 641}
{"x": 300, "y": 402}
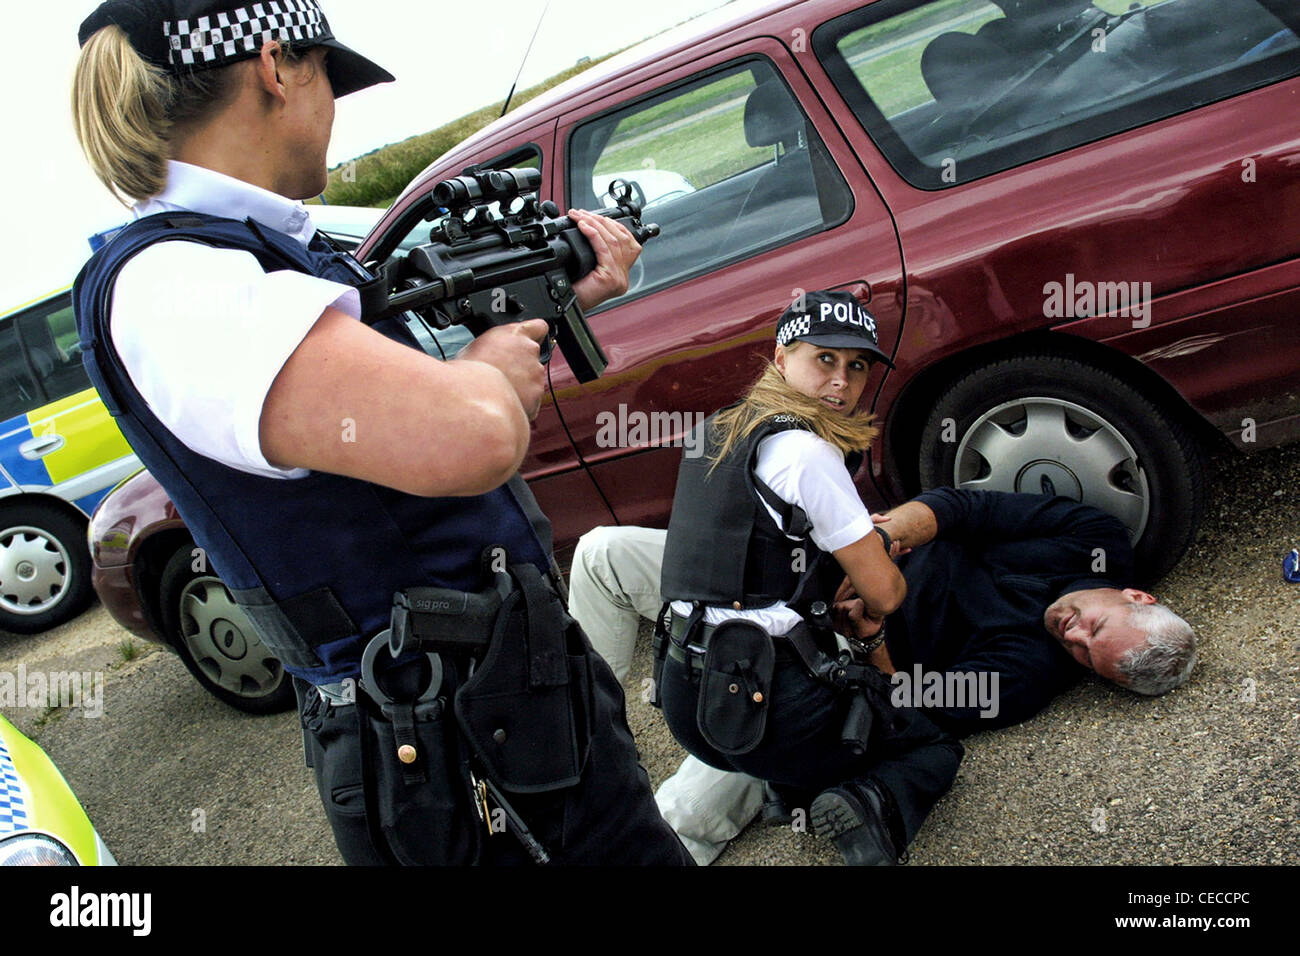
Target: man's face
{"x": 1093, "y": 627}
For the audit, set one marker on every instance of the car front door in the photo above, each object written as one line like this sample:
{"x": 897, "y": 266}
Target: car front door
{"x": 759, "y": 199}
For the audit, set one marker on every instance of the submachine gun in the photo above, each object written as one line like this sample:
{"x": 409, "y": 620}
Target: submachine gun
{"x": 498, "y": 254}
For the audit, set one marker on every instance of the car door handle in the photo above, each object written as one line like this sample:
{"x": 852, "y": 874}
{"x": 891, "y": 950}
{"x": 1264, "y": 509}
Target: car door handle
{"x": 40, "y": 446}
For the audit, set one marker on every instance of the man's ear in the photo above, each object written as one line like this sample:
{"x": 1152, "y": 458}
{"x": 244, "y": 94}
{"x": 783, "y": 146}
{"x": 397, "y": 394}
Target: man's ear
{"x": 267, "y": 70}
{"x": 1139, "y": 597}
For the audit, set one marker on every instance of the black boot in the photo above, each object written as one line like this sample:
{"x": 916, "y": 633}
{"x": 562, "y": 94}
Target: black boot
{"x": 856, "y": 818}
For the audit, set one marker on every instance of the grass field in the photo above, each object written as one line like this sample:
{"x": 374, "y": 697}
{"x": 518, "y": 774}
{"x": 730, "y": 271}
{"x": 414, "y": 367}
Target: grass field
{"x": 376, "y": 178}
{"x": 699, "y": 133}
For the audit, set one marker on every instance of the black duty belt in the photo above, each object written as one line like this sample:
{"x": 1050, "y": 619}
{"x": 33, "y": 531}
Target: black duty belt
{"x": 692, "y": 654}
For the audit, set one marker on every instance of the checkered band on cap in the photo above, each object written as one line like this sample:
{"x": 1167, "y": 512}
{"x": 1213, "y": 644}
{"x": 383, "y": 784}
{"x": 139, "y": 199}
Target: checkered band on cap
{"x": 217, "y": 37}
{"x": 798, "y": 325}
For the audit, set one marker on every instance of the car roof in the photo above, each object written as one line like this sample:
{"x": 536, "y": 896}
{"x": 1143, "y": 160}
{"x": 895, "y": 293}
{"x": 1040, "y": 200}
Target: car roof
{"x": 615, "y": 73}
{"x": 36, "y": 301}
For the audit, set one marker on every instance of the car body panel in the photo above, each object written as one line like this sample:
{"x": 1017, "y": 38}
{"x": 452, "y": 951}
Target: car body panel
{"x": 1201, "y": 205}
{"x": 35, "y": 798}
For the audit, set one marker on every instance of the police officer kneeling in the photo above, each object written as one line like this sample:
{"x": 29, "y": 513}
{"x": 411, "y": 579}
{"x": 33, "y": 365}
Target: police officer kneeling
{"x": 765, "y": 526}
{"x": 325, "y": 465}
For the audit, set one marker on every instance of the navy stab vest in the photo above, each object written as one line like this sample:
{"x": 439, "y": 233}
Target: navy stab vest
{"x": 723, "y": 546}
{"x": 314, "y": 561}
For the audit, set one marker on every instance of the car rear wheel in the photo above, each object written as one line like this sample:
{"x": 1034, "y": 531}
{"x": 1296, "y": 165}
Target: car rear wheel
{"x": 44, "y": 568}
{"x": 1051, "y": 424}
{"x": 217, "y": 641}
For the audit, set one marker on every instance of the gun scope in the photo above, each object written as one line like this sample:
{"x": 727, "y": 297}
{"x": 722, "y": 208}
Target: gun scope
{"x": 477, "y": 185}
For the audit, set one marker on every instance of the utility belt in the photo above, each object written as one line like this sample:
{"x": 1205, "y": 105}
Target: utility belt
{"x": 736, "y": 661}
{"x": 494, "y": 703}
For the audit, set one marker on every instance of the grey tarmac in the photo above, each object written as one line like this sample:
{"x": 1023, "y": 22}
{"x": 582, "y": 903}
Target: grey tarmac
{"x": 1209, "y": 774}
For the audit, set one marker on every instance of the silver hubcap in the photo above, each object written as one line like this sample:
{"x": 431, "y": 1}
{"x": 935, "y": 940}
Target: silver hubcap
{"x": 223, "y": 643}
{"x": 1050, "y": 446}
{"x": 33, "y": 570}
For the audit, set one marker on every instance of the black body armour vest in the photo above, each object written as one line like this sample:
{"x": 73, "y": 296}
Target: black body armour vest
{"x": 314, "y": 561}
{"x": 723, "y": 546}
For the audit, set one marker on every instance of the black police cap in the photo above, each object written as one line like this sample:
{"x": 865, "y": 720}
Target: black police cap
{"x": 832, "y": 320}
{"x": 183, "y": 36}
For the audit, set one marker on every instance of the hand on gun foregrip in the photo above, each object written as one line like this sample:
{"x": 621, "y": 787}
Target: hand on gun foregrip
{"x": 616, "y": 250}
{"x": 513, "y": 350}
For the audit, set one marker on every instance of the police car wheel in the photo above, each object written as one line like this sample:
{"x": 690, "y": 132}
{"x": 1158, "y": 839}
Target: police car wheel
{"x": 217, "y": 641}
{"x": 1051, "y": 424}
{"x": 44, "y": 568}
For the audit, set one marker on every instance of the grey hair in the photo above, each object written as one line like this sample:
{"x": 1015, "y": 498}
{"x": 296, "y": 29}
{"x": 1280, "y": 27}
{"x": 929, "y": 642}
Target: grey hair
{"x": 1167, "y": 657}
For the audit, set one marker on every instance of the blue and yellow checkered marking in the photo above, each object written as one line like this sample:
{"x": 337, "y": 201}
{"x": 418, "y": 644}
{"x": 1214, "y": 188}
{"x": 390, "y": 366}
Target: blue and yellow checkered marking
{"x": 13, "y": 806}
{"x": 92, "y": 439}
{"x": 13, "y": 433}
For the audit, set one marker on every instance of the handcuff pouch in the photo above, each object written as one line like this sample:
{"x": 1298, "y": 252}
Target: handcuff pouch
{"x": 425, "y": 809}
{"x": 739, "y": 661}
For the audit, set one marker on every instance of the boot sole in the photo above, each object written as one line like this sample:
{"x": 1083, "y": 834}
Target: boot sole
{"x": 836, "y": 816}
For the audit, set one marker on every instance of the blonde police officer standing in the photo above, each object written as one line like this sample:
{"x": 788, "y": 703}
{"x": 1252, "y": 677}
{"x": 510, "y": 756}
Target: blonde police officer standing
{"x": 223, "y": 333}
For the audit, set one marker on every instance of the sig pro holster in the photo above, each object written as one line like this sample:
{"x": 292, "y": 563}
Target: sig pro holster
{"x": 521, "y": 699}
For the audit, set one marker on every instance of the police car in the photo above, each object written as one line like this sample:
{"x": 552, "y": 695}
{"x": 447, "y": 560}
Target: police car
{"x": 41, "y": 822}
{"x": 60, "y": 453}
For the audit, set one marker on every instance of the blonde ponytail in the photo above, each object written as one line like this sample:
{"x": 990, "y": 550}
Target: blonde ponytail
{"x": 119, "y": 108}
{"x": 126, "y": 111}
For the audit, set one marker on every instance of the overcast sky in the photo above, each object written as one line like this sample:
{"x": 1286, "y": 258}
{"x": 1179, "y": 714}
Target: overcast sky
{"x": 446, "y": 66}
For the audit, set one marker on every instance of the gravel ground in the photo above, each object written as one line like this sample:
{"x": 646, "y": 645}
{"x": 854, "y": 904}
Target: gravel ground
{"x": 1205, "y": 775}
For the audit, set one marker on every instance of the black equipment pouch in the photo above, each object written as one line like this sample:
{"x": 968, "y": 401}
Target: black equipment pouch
{"x": 525, "y": 711}
{"x": 738, "y": 666}
{"x": 418, "y": 790}
{"x": 429, "y": 820}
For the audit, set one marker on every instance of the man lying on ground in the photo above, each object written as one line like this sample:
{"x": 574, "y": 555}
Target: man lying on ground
{"x": 1010, "y": 600}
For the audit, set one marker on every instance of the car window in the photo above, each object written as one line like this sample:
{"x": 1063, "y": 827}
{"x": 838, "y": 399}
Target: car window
{"x": 18, "y": 391}
{"x": 40, "y": 357}
{"x": 951, "y": 90}
{"x": 727, "y": 165}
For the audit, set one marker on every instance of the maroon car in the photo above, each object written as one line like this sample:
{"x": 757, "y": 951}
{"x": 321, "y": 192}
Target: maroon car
{"x": 1077, "y": 225}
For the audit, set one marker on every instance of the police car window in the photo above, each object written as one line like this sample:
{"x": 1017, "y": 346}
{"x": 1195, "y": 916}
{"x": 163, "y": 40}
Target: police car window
{"x": 728, "y": 166}
{"x": 18, "y": 391}
{"x": 951, "y": 90}
{"x": 41, "y": 356}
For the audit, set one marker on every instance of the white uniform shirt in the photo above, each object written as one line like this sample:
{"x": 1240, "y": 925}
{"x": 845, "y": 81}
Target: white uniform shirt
{"x": 807, "y": 471}
{"x": 203, "y": 332}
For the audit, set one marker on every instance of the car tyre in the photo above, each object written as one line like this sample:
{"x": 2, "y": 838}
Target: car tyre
{"x": 217, "y": 641}
{"x": 44, "y": 568}
{"x": 1051, "y": 424}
